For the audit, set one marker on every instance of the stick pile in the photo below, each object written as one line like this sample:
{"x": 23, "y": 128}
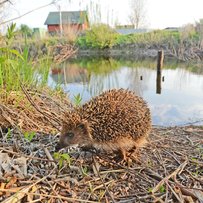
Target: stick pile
{"x": 33, "y": 110}
{"x": 169, "y": 169}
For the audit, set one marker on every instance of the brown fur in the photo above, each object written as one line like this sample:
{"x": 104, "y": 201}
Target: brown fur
{"x": 116, "y": 120}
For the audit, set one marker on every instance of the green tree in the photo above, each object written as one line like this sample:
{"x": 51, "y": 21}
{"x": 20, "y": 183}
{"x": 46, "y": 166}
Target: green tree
{"x": 25, "y": 30}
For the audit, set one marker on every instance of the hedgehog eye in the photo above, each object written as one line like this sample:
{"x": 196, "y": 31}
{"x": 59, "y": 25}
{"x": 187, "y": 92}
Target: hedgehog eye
{"x": 70, "y": 135}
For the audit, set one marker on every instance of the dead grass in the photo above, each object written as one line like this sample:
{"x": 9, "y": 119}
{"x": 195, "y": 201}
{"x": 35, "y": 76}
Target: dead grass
{"x": 33, "y": 110}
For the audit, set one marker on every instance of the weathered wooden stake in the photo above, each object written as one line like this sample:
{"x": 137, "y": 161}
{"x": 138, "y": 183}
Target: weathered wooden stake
{"x": 160, "y": 60}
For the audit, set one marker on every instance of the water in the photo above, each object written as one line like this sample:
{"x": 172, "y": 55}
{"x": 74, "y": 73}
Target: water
{"x": 175, "y": 99}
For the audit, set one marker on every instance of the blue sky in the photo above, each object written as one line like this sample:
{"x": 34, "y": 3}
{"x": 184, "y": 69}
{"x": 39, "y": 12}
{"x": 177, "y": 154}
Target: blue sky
{"x": 160, "y": 13}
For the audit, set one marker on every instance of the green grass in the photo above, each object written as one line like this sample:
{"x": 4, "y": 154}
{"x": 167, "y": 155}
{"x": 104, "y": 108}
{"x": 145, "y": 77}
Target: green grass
{"x": 103, "y": 37}
{"x": 17, "y": 68}
{"x": 62, "y": 158}
{"x": 29, "y": 136}
{"x": 77, "y": 100}
{"x": 154, "y": 37}
{"x": 100, "y": 37}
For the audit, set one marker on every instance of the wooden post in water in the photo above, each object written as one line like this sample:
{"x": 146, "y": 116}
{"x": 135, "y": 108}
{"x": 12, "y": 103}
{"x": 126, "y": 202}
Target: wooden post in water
{"x": 160, "y": 59}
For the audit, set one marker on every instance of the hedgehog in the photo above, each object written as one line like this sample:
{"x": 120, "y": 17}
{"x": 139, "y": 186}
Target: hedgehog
{"x": 115, "y": 121}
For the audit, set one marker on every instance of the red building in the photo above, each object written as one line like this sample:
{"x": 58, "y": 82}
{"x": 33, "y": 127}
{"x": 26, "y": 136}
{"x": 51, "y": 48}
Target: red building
{"x": 68, "y": 20}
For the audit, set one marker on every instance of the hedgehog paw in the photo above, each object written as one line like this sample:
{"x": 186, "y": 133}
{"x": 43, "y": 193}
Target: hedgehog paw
{"x": 135, "y": 156}
{"x": 121, "y": 156}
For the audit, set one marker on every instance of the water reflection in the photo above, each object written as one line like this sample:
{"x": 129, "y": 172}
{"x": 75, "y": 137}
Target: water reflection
{"x": 70, "y": 73}
{"x": 158, "y": 82}
{"x": 135, "y": 84}
{"x": 175, "y": 96}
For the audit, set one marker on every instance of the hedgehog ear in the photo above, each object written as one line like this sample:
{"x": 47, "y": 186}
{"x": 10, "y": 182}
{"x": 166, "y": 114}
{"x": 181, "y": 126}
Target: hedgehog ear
{"x": 83, "y": 126}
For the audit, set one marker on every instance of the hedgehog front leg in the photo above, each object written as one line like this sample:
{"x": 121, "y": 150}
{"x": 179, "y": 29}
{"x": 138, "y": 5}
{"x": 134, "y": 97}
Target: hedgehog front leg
{"x": 122, "y": 154}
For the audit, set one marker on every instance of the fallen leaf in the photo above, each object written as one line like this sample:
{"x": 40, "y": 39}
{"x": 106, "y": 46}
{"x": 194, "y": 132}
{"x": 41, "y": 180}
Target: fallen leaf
{"x": 11, "y": 182}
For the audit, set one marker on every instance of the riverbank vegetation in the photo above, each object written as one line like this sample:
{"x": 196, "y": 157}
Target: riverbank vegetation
{"x": 181, "y": 43}
{"x": 185, "y": 43}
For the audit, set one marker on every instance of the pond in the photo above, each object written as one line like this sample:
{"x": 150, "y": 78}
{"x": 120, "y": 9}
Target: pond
{"x": 175, "y": 97}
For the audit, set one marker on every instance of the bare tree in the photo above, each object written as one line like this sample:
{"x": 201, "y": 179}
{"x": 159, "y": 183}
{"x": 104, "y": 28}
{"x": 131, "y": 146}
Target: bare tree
{"x": 2, "y": 2}
{"x": 137, "y": 15}
{"x": 199, "y": 30}
{"x": 28, "y": 12}
{"x": 3, "y": 6}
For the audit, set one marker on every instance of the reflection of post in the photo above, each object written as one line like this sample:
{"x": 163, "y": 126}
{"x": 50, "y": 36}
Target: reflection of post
{"x": 64, "y": 73}
{"x": 160, "y": 59}
{"x": 60, "y": 19}
{"x": 158, "y": 83}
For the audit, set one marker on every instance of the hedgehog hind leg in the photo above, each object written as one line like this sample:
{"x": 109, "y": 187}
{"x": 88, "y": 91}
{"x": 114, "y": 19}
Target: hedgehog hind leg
{"x": 134, "y": 155}
{"x": 126, "y": 158}
{"x": 135, "y": 151}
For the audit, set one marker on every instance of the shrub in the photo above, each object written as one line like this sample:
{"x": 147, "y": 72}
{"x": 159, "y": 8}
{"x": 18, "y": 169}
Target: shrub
{"x": 100, "y": 36}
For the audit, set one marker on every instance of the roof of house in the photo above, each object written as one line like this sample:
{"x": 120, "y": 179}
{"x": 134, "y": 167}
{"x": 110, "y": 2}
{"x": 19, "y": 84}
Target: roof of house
{"x": 67, "y": 17}
{"x": 127, "y": 31}
{"x": 172, "y": 28}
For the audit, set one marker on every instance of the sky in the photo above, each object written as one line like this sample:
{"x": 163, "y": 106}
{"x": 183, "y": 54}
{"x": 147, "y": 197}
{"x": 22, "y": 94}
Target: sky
{"x": 160, "y": 13}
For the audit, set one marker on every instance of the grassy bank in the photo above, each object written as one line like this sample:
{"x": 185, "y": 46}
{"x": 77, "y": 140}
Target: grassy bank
{"x": 26, "y": 102}
{"x": 183, "y": 44}
{"x": 17, "y": 69}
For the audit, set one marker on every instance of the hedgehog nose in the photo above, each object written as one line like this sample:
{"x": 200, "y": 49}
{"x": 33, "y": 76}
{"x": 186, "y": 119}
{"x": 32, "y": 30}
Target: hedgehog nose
{"x": 58, "y": 147}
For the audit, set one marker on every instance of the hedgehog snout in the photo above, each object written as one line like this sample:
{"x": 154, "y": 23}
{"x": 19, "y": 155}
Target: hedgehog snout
{"x": 58, "y": 147}
{"x": 64, "y": 141}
